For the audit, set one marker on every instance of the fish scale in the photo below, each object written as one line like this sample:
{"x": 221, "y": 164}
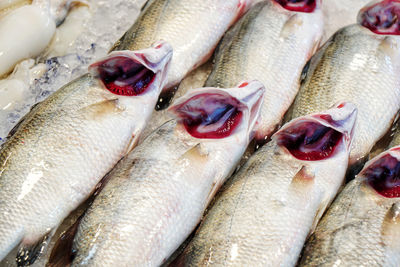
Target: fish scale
{"x": 359, "y": 66}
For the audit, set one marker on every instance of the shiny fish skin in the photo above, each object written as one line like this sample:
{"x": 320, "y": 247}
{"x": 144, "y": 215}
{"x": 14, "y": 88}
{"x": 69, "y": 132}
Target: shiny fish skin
{"x": 264, "y": 213}
{"x": 359, "y": 66}
{"x": 360, "y": 228}
{"x": 192, "y": 27}
{"x": 272, "y": 45}
{"x": 157, "y": 194}
{"x": 65, "y": 145}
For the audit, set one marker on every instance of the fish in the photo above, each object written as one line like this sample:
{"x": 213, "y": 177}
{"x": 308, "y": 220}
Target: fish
{"x": 157, "y": 194}
{"x": 57, "y": 154}
{"x": 288, "y": 39}
{"x": 362, "y": 227}
{"x": 360, "y": 64}
{"x": 192, "y": 27}
{"x": 264, "y": 213}
{"x": 271, "y": 44}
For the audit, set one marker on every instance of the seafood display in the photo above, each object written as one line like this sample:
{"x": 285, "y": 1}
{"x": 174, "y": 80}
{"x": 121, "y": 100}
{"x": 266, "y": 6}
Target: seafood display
{"x": 359, "y": 64}
{"x": 265, "y": 212}
{"x": 86, "y": 122}
{"x": 175, "y": 171}
{"x": 288, "y": 39}
{"x": 192, "y": 27}
{"x": 199, "y": 133}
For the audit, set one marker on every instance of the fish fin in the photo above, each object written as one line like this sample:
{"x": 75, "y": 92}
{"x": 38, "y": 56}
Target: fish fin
{"x": 196, "y": 155}
{"x": 62, "y": 254}
{"x": 132, "y": 143}
{"x": 28, "y": 254}
{"x": 391, "y": 227}
{"x": 291, "y": 25}
{"x": 103, "y": 108}
{"x": 19, "y": 123}
{"x": 303, "y": 177}
{"x": 145, "y": 5}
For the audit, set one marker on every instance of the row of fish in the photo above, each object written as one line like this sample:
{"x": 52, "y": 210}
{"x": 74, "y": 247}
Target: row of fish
{"x": 150, "y": 202}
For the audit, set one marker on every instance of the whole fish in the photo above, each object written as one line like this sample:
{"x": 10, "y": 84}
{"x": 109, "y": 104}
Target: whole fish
{"x": 192, "y": 27}
{"x": 67, "y": 143}
{"x": 362, "y": 227}
{"x": 265, "y": 212}
{"x": 158, "y": 193}
{"x": 359, "y": 64}
{"x": 271, "y": 43}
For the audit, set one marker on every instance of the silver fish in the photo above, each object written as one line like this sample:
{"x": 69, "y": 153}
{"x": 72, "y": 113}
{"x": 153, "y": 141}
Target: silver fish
{"x": 265, "y": 212}
{"x": 68, "y": 142}
{"x": 359, "y": 66}
{"x": 270, "y": 44}
{"x": 192, "y": 27}
{"x": 362, "y": 227}
{"x": 157, "y": 194}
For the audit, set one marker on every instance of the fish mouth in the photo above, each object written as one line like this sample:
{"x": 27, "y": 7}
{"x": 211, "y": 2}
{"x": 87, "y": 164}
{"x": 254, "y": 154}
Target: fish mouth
{"x": 383, "y": 173}
{"x": 318, "y": 136}
{"x": 213, "y": 113}
{"x": 306, "y": 6}
{"x": 382, "y": 17}
{"x": 132, "y": 73}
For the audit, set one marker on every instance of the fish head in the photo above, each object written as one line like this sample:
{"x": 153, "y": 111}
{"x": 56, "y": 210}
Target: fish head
{"x": 319, "y": 136}
{"x": 306, "y": 6}
{"x": 383, "y": 173}
{"x": 214, "y": 113}
{"x": 134, "y": 74}
{"x": 381, "y": 17}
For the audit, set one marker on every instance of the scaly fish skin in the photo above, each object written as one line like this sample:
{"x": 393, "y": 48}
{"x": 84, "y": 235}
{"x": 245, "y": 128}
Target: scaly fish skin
{"x": 65, "y": 145}
{"x": 157, "y": 194}
{"x": 272, "y": 45}
{"x": 192, "y": 27}
{"x": 359, "y": 66}
{"x": 362, "y": 227}
{"x": 264, "y": 213}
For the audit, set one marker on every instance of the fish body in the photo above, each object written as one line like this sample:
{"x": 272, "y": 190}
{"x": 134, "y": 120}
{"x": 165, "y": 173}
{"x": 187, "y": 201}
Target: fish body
{"x": 264, "y": 213}
{"x": 270, "y": 44}
{"x": 67, "y": 143}
{"x": 192, "y": 27}
{"x": 362, "y": 227}
{"x": 158, "y": 193}
{"x": 359, "y": 66}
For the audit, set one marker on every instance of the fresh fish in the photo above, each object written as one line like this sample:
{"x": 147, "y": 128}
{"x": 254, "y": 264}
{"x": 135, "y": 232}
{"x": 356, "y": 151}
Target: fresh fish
{"x": 157, "y": 194}
{"x": 265, "y": 212}
{"x": 360, "y": 66}
{"x": 288, "y": 38}
{"x": 192, "y": 27}
{"x": 362, "y": 227}
{"x": 67, "y": 143}
{"x": 271, "y": 43}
